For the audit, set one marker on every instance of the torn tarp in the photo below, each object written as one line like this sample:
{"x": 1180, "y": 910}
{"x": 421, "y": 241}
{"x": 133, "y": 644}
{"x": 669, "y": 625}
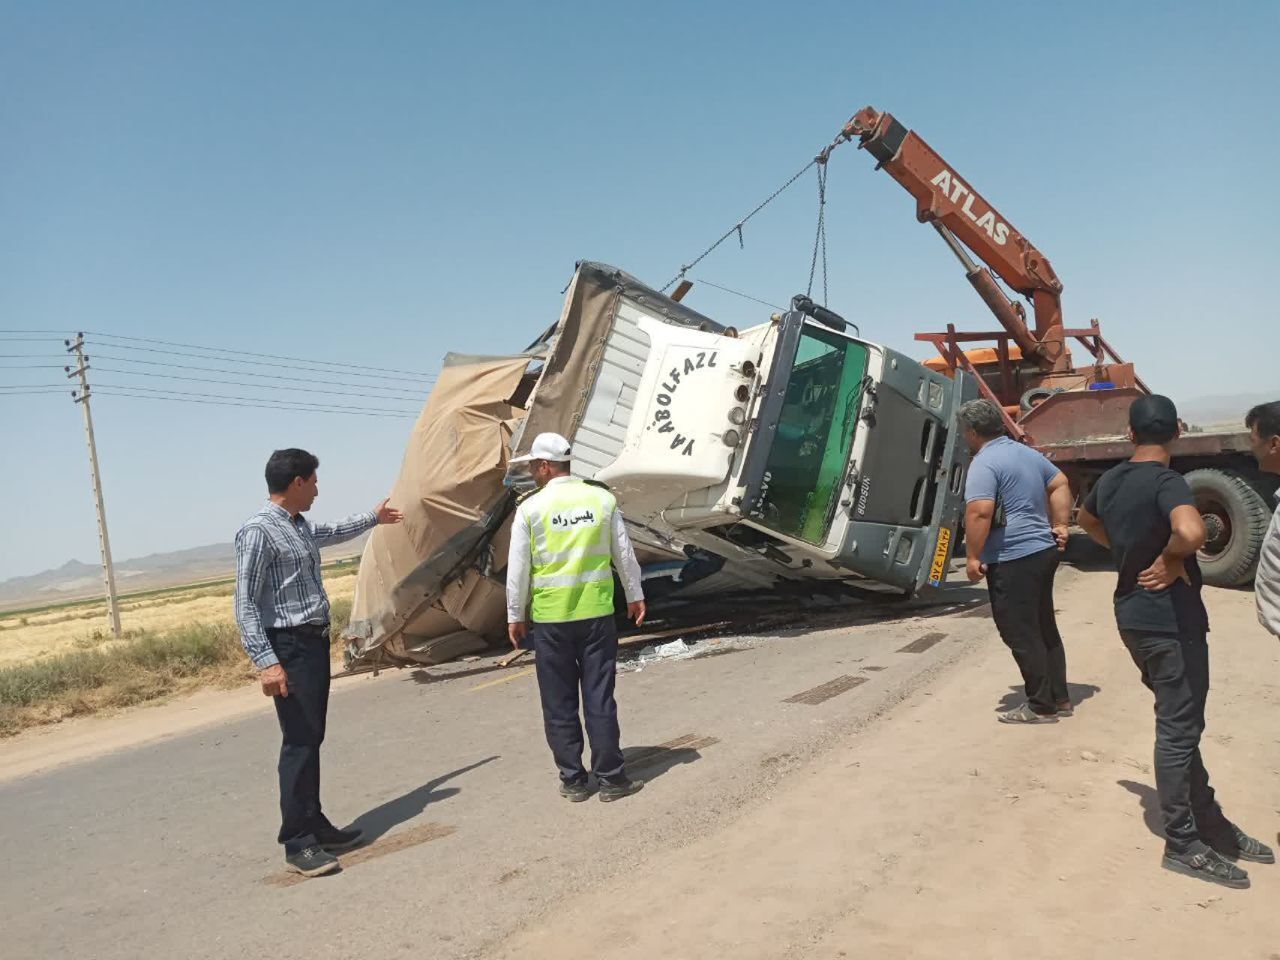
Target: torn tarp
{"x": 420, "y": 594}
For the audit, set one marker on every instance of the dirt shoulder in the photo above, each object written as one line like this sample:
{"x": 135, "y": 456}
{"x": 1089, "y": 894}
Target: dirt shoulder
{"x": 937, "y": 832}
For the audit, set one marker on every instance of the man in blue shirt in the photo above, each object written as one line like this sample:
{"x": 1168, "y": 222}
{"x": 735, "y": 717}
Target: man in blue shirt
{"x": 1019, "y": 506}
{"x": 283, "y": 614}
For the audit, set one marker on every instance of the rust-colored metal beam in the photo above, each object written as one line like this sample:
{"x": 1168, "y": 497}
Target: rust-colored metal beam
{"x": 946, "y": 200}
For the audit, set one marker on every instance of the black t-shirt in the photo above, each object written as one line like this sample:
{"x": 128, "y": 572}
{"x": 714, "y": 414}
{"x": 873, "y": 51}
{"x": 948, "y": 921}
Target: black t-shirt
{"x": 1134, "y": 501}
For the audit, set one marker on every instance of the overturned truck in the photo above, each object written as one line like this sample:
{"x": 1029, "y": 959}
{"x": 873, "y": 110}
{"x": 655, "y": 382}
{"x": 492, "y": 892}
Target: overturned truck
{"x": 792, "y": 452}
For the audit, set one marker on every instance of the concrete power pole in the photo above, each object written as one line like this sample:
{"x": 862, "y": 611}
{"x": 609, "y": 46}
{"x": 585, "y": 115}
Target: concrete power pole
{"x": 82, "y": 397}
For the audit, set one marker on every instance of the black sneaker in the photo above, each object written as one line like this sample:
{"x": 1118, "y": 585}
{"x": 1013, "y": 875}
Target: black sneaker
{"x": 331, "y": 838}
{"x": 1207, "y": 866}
{"x": 575, "y": 791}
{"x": 1241, "y": 846}
{"x": 618, "y": 789}
{"x": 314, "y": 861}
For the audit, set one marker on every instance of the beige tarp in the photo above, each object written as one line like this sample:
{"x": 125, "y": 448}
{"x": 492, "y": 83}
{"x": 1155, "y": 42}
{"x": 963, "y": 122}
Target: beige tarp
{"x": 419, "y": 592}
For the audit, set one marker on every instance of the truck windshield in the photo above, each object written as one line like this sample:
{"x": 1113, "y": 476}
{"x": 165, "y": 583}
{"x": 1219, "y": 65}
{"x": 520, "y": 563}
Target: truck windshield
{"x": 810, "y": 452}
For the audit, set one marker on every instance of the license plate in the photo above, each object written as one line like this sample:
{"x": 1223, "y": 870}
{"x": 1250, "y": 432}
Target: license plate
{"x": 938, "y": 569}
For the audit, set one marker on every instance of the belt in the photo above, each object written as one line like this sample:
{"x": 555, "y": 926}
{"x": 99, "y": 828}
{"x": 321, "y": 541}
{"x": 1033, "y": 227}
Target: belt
{"x": 318, "y": 629}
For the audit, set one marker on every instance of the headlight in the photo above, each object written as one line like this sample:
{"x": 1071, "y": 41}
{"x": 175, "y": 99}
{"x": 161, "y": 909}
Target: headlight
{"x": 732, "y": 438}
{"x": 737, "y": 415}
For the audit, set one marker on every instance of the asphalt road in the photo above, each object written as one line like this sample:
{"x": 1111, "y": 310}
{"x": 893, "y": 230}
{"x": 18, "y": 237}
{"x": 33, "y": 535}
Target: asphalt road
{"x": 167, "y": 849}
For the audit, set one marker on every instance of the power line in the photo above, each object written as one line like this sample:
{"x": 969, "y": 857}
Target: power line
{"x": 238, "y": 373}
{"x": 258, "y": 363}
{"x": 232, "y": 396}
{"x": 249, "y": 353}
{"x": 415, "y": 395}
{"x": 36, "y": 366}
{"x": 260, "y": 406}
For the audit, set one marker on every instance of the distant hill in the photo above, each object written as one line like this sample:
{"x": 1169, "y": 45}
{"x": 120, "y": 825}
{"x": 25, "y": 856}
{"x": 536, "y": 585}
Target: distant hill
{"x": 1224, "y": 409}
{"x": 80, "y": 581}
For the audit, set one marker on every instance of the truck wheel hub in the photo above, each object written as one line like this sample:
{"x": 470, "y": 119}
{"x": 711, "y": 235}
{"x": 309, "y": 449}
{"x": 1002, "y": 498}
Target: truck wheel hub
{"x": 1218, "y": 532}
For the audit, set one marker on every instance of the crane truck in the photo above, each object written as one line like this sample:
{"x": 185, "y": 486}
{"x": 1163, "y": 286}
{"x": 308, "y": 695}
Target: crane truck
{"x": 1072, "y": 407}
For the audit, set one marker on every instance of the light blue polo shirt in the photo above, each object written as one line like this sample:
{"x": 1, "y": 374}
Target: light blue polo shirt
{"x": 1016, "y": 475}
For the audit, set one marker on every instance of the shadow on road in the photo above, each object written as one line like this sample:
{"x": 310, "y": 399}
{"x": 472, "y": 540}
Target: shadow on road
{"x": 383, "y": 818}
{"x": 649, "y": 763}
{"x": 1150, "y": 805}
{"x": 1079, "y": 693}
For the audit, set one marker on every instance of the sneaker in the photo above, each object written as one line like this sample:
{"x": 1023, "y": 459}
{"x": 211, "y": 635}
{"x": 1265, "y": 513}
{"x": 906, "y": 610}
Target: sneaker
{"x": 1065, "y": 709}
{"x": 1208, "y": 866}
{"x": 331, "y": 838}
{"x": 1024, "y": 714}
{"x": 314, "y": 861}
{"x": 575, "y": 791}
{"x": 618, "y": 789}
{"x": 1241, "y": 846}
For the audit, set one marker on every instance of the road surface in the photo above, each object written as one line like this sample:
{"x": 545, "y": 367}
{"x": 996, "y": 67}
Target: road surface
{"x": 835, "y": 789}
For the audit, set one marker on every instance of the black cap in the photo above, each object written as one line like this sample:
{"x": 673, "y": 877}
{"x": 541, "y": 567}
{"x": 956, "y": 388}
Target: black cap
{"x": 1154, "y": 416}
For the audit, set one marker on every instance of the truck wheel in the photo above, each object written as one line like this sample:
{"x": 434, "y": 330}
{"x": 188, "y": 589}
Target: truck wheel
{"x": 1236, "y": 519}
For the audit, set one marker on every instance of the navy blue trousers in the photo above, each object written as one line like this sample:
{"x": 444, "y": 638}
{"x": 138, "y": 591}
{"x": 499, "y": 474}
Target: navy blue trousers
{"x": 304, "y": 654}
{"x": 580, "y": 656}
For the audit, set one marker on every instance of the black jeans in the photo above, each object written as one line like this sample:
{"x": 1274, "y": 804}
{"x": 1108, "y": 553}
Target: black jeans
{"x": 572, "y": 655}
{"x": 304, "y": 654}
{"x": 1022, "y": 606}
{"x": 1175, "y": 667}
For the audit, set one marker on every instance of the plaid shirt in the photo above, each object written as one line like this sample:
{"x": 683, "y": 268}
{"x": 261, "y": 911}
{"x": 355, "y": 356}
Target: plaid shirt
{"x": 278, "y": 581}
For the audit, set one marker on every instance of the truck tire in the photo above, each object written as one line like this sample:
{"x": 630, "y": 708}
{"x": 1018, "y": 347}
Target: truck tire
{"x": 1236, "y": 517}
{"x": 1036, "y": 396}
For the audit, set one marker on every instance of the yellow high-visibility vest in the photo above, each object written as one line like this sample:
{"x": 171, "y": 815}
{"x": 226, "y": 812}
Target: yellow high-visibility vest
{"x": 570, "y": 525}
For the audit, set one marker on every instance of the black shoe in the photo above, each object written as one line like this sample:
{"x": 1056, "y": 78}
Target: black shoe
{"x": 331, "y": 838}
{"x": 575, "y": 791}
{"x": 618, "y": 789}
{"x": 1207, "y": 866}
{"x": 314, "y": 861}
{"x": 1240, "y": 846}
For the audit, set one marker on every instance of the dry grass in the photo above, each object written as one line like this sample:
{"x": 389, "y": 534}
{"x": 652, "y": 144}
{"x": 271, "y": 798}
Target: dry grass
{"x": 28, "y": 636}
{"x": 60, "y": 665}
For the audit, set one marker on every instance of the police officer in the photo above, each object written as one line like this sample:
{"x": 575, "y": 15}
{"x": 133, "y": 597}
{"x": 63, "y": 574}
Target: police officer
{"x": 564, "y": 541}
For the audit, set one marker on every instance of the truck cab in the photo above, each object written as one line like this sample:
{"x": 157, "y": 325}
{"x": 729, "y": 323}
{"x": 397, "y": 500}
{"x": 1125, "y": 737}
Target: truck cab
{"x": 793, "y": 449}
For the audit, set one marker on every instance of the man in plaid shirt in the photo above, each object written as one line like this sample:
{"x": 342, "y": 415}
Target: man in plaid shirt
{"x": 283, "y": 613}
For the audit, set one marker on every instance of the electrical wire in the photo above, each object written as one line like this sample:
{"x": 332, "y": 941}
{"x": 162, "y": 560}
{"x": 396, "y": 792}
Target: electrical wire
{"x": 232, "y": 396}
{"x": 236, "y": 373}
{"x": 249, "y": 353}
{"x": 415, "y": 395}
{"x": 258, "y": 363}
{"x": 260, "y": 406}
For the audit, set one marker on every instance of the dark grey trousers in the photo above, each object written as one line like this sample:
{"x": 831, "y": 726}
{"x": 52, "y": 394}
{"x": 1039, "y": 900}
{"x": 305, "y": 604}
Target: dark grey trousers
{"x": 580, "y": 656}
{"x": 1175, "y": 667}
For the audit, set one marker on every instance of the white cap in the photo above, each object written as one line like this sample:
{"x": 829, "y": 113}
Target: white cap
{"x": 546, "y": 446}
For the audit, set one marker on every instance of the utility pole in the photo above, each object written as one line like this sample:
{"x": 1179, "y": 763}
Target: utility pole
{"x": 82, "y": 397}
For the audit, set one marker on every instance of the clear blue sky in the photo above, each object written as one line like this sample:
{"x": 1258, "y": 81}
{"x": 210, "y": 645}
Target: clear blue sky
{"x": 384, "y": 182}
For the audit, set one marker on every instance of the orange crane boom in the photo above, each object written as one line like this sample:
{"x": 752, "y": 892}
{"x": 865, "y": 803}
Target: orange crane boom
{"x": 966, "y": 220}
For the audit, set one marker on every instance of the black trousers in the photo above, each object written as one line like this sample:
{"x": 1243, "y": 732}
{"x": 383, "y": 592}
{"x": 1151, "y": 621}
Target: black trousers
{"x": 572, "y": 656}
{"x": 1175, "y": 667}
{"x": 1022, "y": 606}
{"x": 304, "y": 654}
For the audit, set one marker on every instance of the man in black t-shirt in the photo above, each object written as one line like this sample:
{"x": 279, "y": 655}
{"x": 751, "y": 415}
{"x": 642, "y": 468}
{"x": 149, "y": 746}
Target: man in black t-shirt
{"x": 1145, "y": 513}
